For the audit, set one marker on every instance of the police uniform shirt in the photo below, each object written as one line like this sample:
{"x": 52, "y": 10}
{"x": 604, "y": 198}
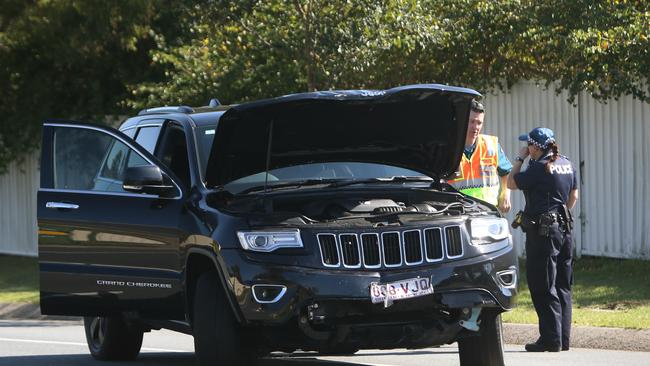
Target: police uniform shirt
{"x": 546, "y": 192}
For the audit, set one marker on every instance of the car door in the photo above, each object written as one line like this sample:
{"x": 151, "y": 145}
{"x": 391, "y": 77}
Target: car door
{"x": 103, "y": 250}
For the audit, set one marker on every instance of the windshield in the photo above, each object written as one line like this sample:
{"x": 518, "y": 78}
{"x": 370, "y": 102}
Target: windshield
{"x": 327, "y": 172}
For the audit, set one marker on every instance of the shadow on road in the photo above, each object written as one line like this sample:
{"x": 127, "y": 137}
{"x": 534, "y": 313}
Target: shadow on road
{"x": 439, "y": 351}
{"x": 162, "y": 359}
{"x": 158, "y": 359}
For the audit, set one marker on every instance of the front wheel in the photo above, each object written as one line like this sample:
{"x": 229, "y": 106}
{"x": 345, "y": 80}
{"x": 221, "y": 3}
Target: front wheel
{"x": 217, "y": 335}
{"x": 112, "y": 338}
{"x": 485, "y": 349}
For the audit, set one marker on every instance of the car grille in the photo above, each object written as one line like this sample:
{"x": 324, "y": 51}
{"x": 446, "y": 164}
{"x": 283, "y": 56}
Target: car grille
{"x": 454, "y": 244}
{"x": 390, "y": 249}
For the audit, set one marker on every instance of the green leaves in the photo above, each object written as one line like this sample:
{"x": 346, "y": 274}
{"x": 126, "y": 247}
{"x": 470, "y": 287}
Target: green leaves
{"x": 85, "y": 59}
{"x": 67, "y": 59}
{"x": 597, "y": 46}
{"x": 260, "y": 49}
{"x": 265, "y": 48}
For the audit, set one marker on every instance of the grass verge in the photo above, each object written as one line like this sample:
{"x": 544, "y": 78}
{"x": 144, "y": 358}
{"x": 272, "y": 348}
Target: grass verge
{"x": 18, "y": 279}
{"x": 606, "y": 293}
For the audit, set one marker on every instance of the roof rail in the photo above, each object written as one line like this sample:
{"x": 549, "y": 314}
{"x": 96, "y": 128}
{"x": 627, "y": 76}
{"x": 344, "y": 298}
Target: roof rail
{"x": 169, "y": 109}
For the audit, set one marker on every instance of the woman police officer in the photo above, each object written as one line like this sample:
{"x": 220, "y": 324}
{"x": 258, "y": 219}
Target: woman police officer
{"x": 550, "y": 188}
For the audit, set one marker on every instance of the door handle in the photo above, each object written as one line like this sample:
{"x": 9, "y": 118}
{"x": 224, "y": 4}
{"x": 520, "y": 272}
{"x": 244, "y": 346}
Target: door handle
{"x": 63, "y": 205}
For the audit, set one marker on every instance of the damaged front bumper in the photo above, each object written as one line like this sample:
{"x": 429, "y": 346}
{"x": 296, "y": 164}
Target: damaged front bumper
{"x": 324, "y": 303}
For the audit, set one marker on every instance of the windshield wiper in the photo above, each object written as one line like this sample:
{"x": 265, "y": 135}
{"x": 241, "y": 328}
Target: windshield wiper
{"x": 334, "y": 183}
{"x": 396, "y": 179}
{"x": 292, "y": 184}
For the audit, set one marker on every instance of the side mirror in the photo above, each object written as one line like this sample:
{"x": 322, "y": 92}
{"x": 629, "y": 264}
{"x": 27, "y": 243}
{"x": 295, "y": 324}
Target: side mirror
{"x": 147, "y": 179}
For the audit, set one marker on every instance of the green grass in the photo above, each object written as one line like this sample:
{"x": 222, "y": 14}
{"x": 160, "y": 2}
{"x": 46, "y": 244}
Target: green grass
{"x": 18, "y": 279}
{"x": 606, "y": 293}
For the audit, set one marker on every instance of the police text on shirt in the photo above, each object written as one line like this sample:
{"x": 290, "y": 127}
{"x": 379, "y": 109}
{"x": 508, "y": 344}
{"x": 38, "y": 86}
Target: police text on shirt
{"x": 561, "y": 169}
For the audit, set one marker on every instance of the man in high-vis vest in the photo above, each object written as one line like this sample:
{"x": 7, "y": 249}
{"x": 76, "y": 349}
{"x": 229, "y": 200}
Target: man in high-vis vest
{"x": 484, "y": 167}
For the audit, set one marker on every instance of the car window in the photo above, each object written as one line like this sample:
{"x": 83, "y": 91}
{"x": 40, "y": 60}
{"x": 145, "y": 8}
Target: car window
{"x": 86, "y": 159}
{"x": 147, "y": 137}
{"x": 204, "y": 139}
{"x": 129, "y": 132}
{"x": 114, "y": 165}
{"x": 135, "y": 159}
{"x": 172, "y": 151}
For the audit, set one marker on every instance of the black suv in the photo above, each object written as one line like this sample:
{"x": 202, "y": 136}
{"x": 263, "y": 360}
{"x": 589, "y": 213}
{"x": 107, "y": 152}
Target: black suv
{"x": 317, "y": 221}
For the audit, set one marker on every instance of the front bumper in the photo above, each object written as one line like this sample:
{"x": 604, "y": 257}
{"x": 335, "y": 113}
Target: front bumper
{"x": 343, "y": 296}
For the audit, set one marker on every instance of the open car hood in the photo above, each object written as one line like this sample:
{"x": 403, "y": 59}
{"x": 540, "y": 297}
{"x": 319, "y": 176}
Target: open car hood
{"x": 418, "y": 127}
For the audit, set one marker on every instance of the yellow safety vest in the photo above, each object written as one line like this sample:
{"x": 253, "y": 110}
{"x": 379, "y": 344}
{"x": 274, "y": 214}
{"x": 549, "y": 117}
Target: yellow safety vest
{"x": 478, "y": 175}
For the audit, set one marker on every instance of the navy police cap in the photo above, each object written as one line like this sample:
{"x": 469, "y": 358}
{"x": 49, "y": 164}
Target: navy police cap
{"x": 539, "y": 136}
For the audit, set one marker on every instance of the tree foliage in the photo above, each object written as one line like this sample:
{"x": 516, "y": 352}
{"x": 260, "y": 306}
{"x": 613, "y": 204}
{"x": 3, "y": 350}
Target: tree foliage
{"x": 252, "y": 49}
{"x": 600, "y": 46}
{"x": 67, "y": 58}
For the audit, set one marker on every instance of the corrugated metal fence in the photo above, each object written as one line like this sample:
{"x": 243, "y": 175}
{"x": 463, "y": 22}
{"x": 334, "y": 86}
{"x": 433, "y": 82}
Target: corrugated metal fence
{"x": 18, "y": 208}
{"x": 616, "y": 197}
{"x": 609, "y": 143}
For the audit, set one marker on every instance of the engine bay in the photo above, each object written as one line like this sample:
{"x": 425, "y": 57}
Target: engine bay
{"x": 363, "y": 205}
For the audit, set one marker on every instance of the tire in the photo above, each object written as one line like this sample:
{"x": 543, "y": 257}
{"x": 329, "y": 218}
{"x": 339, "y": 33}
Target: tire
{"x": 217, "y": 335}
{"x": 486, "y": 349}
{"x": 112, "y": 338}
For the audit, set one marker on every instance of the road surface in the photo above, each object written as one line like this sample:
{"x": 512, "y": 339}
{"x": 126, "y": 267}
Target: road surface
{"x": 62, "y": 343}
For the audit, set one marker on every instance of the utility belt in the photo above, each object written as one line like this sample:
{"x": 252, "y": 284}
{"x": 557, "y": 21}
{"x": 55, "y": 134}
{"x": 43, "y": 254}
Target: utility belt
{"x": 545, "y": 223}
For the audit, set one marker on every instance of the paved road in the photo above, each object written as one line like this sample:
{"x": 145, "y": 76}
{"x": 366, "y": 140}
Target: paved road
{"x": 41, "y": 343}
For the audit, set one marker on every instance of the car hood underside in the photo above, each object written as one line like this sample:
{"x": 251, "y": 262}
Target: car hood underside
{"x": 418, "y": 127}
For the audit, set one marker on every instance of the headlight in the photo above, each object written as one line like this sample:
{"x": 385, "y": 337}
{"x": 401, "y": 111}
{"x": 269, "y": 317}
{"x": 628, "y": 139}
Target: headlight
{"x": 268, "y": 241}
{"x": 485, "y": 231}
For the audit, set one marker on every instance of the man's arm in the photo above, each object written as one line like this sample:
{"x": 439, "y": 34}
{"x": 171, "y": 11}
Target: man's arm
{"x": 504, "y": 203}
{"x": 573, "y": 198}
{"x": 503, "y": 169}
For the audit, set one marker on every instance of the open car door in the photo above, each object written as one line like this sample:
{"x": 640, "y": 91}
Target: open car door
{"x": 108, "y": 239}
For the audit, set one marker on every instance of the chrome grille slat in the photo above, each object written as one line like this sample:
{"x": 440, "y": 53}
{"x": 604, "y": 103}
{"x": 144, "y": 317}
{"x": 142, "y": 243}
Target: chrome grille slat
{"x": 371, "y": 251}
{"x": 390, "y": 249}
{"x": 329, "y": 251}
{"x": 412, "y": 247}
{"x": 454, "y": 244}
{"x": 433, "y": 244}
{"x": 350, "y": 250}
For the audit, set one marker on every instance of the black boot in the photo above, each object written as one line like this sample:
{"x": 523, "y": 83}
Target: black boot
{"x": 541, "y": 347}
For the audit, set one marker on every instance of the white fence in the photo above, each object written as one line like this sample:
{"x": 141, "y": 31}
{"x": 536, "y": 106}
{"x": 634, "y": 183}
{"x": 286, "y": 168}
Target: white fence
{"x": 18, "y": 208}
{"x": 608, "y": 143}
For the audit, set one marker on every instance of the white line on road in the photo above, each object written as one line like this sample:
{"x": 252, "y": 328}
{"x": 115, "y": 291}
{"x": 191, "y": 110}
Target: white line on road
{"x": 81, "y": 344}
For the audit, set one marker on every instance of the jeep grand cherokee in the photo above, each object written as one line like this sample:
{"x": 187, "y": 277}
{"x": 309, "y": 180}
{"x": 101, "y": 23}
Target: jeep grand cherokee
{"x": 317, "y": 221}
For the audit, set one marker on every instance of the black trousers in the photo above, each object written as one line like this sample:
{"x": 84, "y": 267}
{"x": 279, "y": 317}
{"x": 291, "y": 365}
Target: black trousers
{"x": 550, "y": 276}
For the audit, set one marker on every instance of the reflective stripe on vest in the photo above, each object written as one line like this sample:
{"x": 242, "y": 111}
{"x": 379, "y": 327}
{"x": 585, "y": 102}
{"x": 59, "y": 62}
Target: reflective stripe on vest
{"x": 478, "y": 175}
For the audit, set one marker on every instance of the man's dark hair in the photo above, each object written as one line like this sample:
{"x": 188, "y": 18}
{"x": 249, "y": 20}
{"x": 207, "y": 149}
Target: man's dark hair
{"x": 477, "y": 106}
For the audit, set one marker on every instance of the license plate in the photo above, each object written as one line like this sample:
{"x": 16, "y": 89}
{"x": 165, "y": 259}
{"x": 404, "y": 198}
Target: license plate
{"x": 405, "y": 289}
